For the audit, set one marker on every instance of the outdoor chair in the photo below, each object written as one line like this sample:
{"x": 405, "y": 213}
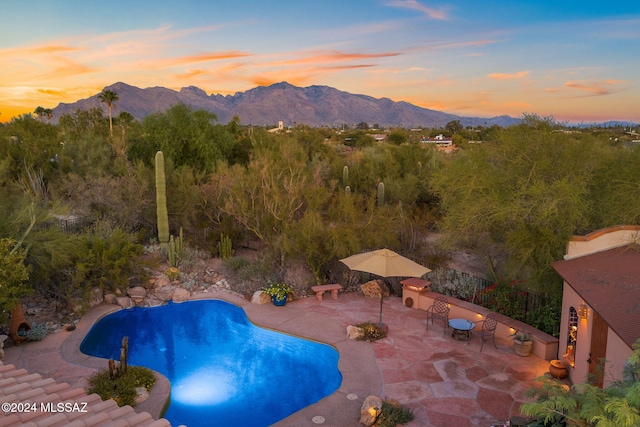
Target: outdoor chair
{"x": 439, "y": 310}
{"x": 489, "y": 330}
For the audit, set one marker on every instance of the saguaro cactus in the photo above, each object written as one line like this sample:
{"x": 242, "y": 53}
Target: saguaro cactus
{"x": 345, "y": 176}
{"x": 224, "y": 247}
{"x": 380, "y": 194}
{"x": 175, "y": 251}
{"x": 347, "y": 190}
{"x": 161, "y": 200}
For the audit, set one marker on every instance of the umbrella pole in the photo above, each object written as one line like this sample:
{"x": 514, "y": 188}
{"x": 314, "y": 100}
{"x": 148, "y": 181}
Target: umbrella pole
{"x": 381, "y": 299}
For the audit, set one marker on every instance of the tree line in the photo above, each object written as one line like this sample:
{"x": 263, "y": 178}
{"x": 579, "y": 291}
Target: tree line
{"x": 515, "y": 199}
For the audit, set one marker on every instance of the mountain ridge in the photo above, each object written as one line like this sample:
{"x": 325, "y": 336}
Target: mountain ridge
{"x": 267, "y": 105}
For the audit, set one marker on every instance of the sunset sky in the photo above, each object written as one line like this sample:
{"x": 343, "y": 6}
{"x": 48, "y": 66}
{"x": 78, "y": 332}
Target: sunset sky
{"x": 576, "y": 60}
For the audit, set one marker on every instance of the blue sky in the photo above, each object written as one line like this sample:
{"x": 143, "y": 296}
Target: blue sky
{"x": 577, "y": 61}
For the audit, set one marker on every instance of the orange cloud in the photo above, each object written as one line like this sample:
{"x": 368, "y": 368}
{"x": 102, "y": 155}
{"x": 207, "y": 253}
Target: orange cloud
{"x": 190, "y": 74}
{"x": 598, "y": 88}
{"x": 202, "y": 57}
{"x": 52, "y": 92}
{"x": 316, "y": 57}
{"x": 439, "y": 14}
{"x": 271, "y": 78}
{"x": 512, "y": 76}
{"x": 35, "y": 50}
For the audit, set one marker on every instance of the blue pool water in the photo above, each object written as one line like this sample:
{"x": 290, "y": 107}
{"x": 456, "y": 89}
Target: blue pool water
{"x": 224, "y": 371}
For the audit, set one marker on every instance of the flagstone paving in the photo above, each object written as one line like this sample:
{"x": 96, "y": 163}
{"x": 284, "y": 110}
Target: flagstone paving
{"x": 447, "y": 383}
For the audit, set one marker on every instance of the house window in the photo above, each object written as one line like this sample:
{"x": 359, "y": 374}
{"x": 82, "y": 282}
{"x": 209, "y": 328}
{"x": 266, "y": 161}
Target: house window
{"x": 572, "y": 335}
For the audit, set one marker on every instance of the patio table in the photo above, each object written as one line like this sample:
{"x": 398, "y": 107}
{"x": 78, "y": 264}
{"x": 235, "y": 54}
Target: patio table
{"x": 461, "y": 329}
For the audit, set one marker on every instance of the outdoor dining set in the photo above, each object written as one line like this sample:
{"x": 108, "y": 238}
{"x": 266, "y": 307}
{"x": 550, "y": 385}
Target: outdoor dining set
{"x": 460, "y": 328}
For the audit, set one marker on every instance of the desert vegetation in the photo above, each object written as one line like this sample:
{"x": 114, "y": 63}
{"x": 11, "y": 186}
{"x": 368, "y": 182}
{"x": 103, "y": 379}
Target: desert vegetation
{"x": 79, "y": 197}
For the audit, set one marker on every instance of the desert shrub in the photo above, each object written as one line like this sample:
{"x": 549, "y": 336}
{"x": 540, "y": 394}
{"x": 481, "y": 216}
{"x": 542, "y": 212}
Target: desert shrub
{"x": 110, "y": 258}
{"x": 37, "y": 332}
{"x": 123, "y": 388}
{"x": 235, "y": 263}
{"x": 372, "y": 331}
{"x": 392, "y": 414}
{"x": 249, "y": 275}
{"x": 191, "y": 259}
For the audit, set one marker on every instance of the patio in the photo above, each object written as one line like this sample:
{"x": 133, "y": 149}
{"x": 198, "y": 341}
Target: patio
{"x": 445, "y": 381}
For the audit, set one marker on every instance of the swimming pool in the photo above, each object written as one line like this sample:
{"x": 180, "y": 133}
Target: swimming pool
{"x": 224, "y": 370}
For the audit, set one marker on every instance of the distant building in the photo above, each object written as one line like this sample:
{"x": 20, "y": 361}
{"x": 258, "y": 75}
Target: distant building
{"x": 280, "y": 127}
{"x": 439, "y": 140}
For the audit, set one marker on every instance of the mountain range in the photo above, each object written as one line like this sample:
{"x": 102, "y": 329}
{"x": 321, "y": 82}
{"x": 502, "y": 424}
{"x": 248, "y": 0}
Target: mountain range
{"x": 267, "y": 105}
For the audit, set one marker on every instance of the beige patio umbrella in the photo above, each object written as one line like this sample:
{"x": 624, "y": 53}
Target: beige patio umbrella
{"x": 385, "y": 263}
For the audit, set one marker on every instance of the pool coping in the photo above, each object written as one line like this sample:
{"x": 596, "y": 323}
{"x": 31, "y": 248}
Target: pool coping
{"x": 357, "y": 362}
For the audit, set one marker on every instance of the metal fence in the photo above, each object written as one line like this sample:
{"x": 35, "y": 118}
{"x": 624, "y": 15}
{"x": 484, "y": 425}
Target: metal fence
{"x": 522, "y": 305}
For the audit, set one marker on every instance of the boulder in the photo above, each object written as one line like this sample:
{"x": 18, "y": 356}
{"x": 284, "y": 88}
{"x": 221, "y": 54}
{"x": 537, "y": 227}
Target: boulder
{"x": 137, "y": 293}
{"x": 3, "y": 338}
{"x": 124, "y": 302}
{"x": 110, "y": 298}
{"x": 180, "y": 295}
{"x": 370, "y": 410}
{"x": 161, "y": 282}
{"x": 142, "y": 395}
{"x": 153, "y": 302}
{"x": 372, "y": 288}
{"x": 95, "y": 297}
{"x": 165, "y": 293}
{"x": 354, "y": 332}
{"x": 259, "y": 297}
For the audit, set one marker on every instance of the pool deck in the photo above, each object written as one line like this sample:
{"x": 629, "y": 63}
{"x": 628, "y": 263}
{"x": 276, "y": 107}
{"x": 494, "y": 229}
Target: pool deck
{"x": 445, "y": 381}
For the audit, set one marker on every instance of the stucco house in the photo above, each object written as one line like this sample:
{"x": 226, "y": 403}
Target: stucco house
{"x": 600, "y": 302}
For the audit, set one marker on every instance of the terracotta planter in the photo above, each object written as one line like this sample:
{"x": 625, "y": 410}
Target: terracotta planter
{"x": 558, "y": 369}
{"x": 522, "y": 348}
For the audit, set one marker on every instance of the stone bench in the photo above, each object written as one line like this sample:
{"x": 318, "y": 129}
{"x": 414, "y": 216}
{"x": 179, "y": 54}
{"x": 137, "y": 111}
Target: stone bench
{"x": 321, "y": 288}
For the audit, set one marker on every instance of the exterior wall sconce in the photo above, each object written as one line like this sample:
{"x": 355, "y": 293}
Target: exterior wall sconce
{"x": 582, "y": 311}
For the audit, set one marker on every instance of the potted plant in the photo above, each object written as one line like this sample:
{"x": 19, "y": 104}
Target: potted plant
{"x": 522, "y": 343}
{"x": 278, "y": 292}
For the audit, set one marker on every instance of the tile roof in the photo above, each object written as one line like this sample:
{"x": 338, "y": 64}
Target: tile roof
{"x": 609, "y": 282}
{"x": 57, "y": 404}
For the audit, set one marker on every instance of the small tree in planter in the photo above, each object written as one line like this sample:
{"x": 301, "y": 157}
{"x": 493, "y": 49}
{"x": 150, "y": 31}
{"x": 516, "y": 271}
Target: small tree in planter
{"x": 522, "y": 343}
{"x": 279, "y": 292}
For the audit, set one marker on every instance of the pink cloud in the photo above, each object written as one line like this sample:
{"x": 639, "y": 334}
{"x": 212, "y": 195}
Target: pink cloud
{"x": 191, "y": 59}
{"x": 317, "y": 57}
{"x": 506, "y": 76}
{"x": 595, "y": 88}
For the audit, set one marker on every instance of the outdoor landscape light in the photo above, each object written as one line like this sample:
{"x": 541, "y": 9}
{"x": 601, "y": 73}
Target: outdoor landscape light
{"x": 582, "y": 311}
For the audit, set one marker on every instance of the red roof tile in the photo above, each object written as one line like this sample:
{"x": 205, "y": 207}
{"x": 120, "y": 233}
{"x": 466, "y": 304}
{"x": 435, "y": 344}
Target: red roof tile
{"x": 18, "y": 386}
{"x": 609, "y": 282}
